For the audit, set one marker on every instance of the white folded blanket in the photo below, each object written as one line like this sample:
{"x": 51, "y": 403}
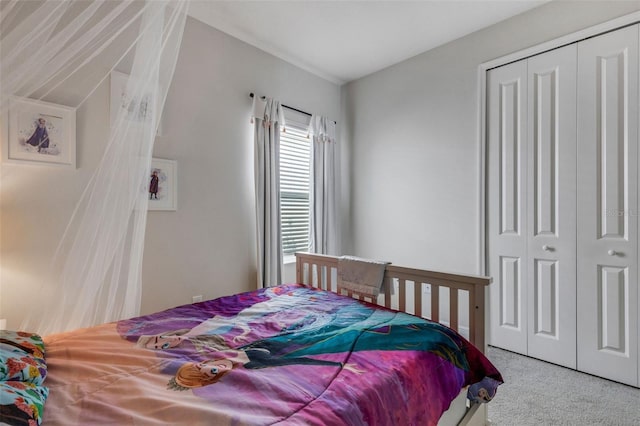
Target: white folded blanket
{"x": 362, "y": 276}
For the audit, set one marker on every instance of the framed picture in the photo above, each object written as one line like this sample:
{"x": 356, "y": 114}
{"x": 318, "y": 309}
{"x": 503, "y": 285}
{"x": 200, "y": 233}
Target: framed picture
{"x": 39, "y": 132}
{"x": 120, "y": 99}
{"x": 163, "y": 185}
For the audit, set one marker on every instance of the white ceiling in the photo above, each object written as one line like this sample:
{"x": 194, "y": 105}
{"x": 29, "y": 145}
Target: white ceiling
{"x": 342, "y": 40}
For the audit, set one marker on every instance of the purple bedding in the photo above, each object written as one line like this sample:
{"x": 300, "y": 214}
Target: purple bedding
{"x": 285, "y": 355}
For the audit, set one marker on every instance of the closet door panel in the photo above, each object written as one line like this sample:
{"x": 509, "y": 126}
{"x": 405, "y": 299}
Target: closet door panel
{"x": 507, "y": 204}
{"x": 607, "y": 205}
{"x": 552, "y": 209}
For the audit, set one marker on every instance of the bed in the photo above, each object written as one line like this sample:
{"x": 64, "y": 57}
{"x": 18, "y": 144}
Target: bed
{"x": 309, "y": 353}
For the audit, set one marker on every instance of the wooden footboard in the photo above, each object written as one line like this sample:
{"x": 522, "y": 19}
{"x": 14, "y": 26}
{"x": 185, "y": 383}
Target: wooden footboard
{"x": 455, "y": 300}
{"x": 452, "y": 299}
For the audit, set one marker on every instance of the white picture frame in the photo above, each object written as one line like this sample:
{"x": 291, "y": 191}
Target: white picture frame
{"x": 166, "y": 196}
{"x": 119, "y": 98}
{"x": 38, "y": 132}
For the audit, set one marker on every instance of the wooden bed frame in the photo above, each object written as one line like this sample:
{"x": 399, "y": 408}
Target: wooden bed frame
{"x": 412, "y": 285}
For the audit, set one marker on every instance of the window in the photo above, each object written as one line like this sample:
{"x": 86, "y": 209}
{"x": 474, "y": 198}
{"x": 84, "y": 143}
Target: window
{"x": 295, "y": 163}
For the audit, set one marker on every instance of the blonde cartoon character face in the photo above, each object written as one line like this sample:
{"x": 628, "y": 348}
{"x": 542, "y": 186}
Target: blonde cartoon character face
{"x": 160, "y": 341}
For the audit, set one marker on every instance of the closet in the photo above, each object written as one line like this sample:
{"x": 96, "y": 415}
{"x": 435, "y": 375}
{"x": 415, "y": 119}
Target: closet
{"x": 562, "y": 205}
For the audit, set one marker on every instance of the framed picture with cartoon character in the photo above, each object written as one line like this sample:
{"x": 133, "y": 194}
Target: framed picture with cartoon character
{"x": 39, "y": 132}
{"x": 163, "y": 185}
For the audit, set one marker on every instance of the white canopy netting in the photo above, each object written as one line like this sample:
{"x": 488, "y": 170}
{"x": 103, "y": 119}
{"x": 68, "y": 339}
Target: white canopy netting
{"x": 62, "y": 50}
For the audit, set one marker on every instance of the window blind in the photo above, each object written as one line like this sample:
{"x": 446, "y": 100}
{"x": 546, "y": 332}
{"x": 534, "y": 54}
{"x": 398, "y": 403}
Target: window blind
{"x": 295, "y": 162}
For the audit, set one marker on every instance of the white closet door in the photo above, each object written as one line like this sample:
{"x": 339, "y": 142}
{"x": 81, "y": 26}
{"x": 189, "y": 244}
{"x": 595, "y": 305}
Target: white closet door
{"x": 507, "y": 204}
{"x": 607, "y": 205}
{"x": 551, "y": 253}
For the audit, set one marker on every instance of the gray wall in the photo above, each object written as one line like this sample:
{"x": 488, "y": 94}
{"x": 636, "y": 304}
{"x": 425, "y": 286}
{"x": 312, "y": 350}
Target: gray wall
{"x": 36, "y": 203}
{"x": 206, "y": 247}
{"x": 413, "y": 133}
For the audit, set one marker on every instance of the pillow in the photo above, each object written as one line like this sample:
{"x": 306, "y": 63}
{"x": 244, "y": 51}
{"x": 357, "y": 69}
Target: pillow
{"x": 22, "y": 357}
{"x": 22, "y": 403}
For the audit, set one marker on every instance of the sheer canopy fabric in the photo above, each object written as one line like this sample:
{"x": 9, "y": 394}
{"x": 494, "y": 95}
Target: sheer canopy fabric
{"x": 323, "y": 194}
{"x": 268, "y": 118}
{"x": 61, "y": 51}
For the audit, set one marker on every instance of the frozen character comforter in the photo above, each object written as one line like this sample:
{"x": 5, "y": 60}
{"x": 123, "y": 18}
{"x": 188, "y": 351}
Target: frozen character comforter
{"x": 287, "y": 355}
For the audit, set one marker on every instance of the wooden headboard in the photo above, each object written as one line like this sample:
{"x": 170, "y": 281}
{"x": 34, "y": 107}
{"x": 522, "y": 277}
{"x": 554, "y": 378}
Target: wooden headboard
{"x": 443, "y": 293}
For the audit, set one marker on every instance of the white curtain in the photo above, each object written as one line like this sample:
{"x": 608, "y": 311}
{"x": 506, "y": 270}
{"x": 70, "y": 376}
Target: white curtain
{"x": 268, "y": 118}
{"x": 323, "y": 197}
{"x": 61, "y": 51}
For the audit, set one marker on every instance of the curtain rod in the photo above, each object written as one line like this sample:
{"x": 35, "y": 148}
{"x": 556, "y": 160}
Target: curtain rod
{"x": 251, "y": 95}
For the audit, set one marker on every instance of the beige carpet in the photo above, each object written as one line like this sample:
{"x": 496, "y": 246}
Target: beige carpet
{"x": 539, "y": 393}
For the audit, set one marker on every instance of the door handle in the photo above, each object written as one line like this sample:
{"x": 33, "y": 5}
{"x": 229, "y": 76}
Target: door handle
{"x": 547, "y": 248}
{"x": 612, "y": 253}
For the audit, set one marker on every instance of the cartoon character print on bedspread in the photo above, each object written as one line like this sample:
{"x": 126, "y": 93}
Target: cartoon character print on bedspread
{"x": 296, "y": 327}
